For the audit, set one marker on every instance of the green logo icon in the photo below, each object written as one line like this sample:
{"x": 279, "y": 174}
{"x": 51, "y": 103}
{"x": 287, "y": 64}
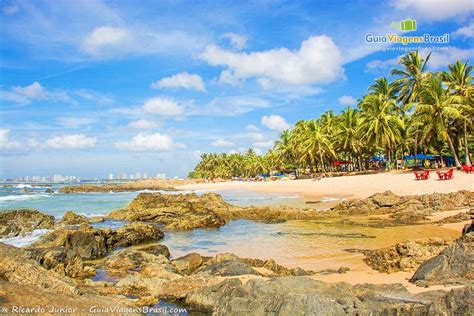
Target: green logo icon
{"x": 404, "y": 26}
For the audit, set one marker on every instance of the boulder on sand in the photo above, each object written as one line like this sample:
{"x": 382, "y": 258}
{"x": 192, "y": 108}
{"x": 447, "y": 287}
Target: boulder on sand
{"x": 20, "y": 222}
{"x": 455, "y": 264}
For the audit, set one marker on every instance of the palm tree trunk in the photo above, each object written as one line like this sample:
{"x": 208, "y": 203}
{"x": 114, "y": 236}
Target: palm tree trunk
{"x": 466, "y": 146}
{"x": 451, "y": 146}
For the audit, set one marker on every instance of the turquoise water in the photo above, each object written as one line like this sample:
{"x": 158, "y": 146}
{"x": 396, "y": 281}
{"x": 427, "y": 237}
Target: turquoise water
{"x": 99, "y": 204}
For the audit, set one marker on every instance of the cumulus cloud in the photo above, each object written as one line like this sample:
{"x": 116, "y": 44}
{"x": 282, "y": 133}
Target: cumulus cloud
{"x": 435, "y": 10}
{"x": 237, "y": 41}
{"x": 34, "y": 92}
{"x": 163, "y": 106}
{"x": 318, "y": 60}
{"x": 6, "y": 143}
{"x": 381, "y": 66}
{"x": 222, "y": 143}
{"x": 149, "y": 142}
{"x": 70, "y": 141}
{"x": 263, "y": 144}
{"x": 466, "y": 31}
{"x": 347, "y": 100}
{"x": 252, "y": 128}
{"x": 275, "y": 122}
{"x": 143, "y": 124}
{"x": 104, "y": 36}
{"x": 441, "y": 58}
{"x": 181, "y": 80}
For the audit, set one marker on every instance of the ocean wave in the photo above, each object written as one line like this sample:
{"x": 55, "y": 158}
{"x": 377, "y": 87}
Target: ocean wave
{"x": 23, "y": 186}
{"x": 23, "y": 197}
{"x": 21, "y": 241}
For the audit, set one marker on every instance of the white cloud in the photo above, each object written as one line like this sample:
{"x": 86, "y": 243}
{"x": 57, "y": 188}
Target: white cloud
{"x": 6, "y": 143}
{"x": 252, "y": 128}
{"x": 347, "y": 100}
{"x": 34, "y": 91}
{"x": 143, "y": 124}
{"x": 318, "y": 60}
{"x": 275, "y": 122}
{"x": 222, "y": 143}
{"x": 237, "y": 41}
{"x": 441, "y": 58}
{"x": 149, "y": 142}
{"x": 263, "y": 144}
{"x": 181, "y": 80}
{"x": 381, "y": 66}
{"x": 231, "y": 106}
{"x": 70, "y": 141}
{"x": 466, "y": 31}
{"x": 435, "y": 10}
{"x": 104, "y": 36}
{"x": 163, "y": 106}
{"x": 72, "y": 122}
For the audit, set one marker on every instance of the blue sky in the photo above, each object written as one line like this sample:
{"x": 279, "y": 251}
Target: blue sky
{"x": 93, "y": 87}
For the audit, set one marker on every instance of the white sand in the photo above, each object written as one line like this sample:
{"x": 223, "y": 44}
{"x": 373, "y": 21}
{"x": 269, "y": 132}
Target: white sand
{"x": 360, "y": 186}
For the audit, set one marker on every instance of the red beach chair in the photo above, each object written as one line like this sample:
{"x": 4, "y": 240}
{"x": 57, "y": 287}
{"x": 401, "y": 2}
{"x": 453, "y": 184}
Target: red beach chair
{"x": 425, "y": 175}
{"x": 440, "y": 175}
{"x": 449, "y": 175}
{"x": 417, "y": 175}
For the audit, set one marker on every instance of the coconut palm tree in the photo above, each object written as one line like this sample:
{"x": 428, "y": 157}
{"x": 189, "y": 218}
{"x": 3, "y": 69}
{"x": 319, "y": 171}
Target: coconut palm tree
{"x": 346, "y": 138}
{"x": 458, "y": 80}
{"x": 411, "y": 76}
{"x": 380, "y": 126}
{"x": 438, "y": 110}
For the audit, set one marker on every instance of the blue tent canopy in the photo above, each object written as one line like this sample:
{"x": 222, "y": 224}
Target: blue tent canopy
{"x": 377, "y": 159}
{"x": 421, "y": 156}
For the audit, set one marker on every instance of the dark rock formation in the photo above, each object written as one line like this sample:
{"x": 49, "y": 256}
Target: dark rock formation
{"x": 404, "y": 256}
{"x": 20, "y": 222}
{"x": 71, "y": 218}
{"x": 455, "y": 264}
{"x": 189, "y": 211}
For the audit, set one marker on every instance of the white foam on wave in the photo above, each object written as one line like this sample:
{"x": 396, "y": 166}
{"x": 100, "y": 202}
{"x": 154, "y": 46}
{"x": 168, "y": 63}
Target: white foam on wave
{"x": 21, "y": 241}
{"x": 329, "y": 199}
{"x": 23, "y": 197}
{"x": 93, "y": 214}
{"x": 22, "y": 186}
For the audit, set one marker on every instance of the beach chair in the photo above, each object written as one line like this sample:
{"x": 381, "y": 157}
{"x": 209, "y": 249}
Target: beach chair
{"x": 417, "y": 175}
{"x": 440, "y": 175}
{"x": 449, "y": 175}
{"x": 425, "y": 175}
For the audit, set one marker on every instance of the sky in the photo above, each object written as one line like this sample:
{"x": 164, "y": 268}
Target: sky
{"x": 89, "y": 88}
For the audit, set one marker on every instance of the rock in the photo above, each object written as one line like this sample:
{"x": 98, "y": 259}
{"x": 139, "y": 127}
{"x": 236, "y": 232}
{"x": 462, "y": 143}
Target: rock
{"x": 457, "y": 302}
{"x": 343, "y": 270}
{"x": 71, "y": 218}
{"x": 403, "y": 210}
{"x": 20, "y": 222}
{"x": 228, "y": 268}
{"x": 16, "y": 266}
{"x": 49, "y": 191}
{"x": 455, "y": 264}
{"x": 91, "y": 243}
{"x": 405, "y": 256}
{"x": 62, "y": 260}
{"x": 303, "y": 296}
{"x": 459, "y": 217}
{"x": 190, "y": 211}
{"x": 188, "y": 263}
{"x": 156, "y": 250}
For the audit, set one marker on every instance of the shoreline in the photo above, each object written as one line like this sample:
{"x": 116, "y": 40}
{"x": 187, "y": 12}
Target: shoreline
{"x": 351, "y": 187}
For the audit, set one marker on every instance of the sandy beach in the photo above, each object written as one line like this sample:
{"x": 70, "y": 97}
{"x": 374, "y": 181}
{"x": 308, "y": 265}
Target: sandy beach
{"x": 360, "y": 186}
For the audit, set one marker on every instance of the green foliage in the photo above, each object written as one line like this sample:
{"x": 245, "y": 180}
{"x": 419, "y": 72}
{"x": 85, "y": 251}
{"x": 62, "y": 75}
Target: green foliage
{"x": 418, "y": 112}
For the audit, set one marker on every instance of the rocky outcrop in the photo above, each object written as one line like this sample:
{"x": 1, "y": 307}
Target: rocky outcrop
{"x": 188, "y": 263}
{"x": 139, "y": 185}
{"x": 404, "y": 256}
{"x": 455, "y": 264}
{"x": 304, "y": 296}
{"x": 190, "y": 211}
{"x": 459, "y": 217}
{"x": 20, "y": 222}
{"x": 71, "y": 218}
{"x": 91, "y": 243}
{"x": 404, "y": 209}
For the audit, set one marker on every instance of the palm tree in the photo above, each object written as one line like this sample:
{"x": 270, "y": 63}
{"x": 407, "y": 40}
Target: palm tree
{"x": 380, "y": 126}
{"x": 437, "y": 110}
{"x": 411, "y": 77}
{"x": 458, "y": 81}
{"x": 347, "y": 138}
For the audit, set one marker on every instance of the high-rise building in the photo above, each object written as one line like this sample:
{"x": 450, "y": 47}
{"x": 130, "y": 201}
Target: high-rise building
{"x": 145, "y": 175}
{"x": 111, "y": 176}
{"x": 138, "y": 175}
{"x": 161, "y": 176}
